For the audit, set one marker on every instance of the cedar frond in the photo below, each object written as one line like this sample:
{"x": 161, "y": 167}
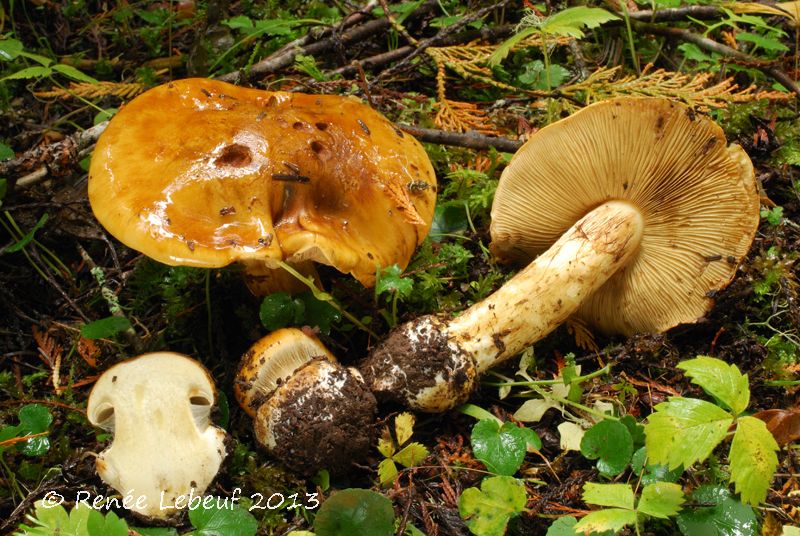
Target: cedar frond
{"x": 92, "y": 91}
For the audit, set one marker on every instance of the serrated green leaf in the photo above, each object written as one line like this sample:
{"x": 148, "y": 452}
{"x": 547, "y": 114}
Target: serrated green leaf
{"x": 613, "y": 519}
{"x": 611, "y": 444}
{"x": 355, "y": 511}
{"x": 716, "y": 513}
{"x": 505, "y": 47}
{"x": 219, "y": 520}
{"x": 766, "y": 42}
{"x": 613, "y": 495}
{"x": 279, "y": 310}
{"x": 391, "y": 281}
{"x": 10, "y": 49}
{"x": 34, "y": 419}
{"x": 316, "y": 313}
{"x": 411, "y": 455}
{"x": 37, "y": 71}
{"x": 386, "y": 446}
{"x": 387, "y": 472}
{"x": 661, "y": 500}
{"x": 685, "y": 430}
{"x": 719, "y": 379}
{"x": 404, "y": 427}
{"x": 753, "y": 459}
{"x": 71, "y": 72}
{"x": 105, "y": 327}
{"x": 571, "y": 21}
{"x": 488, "y": 510}
{"x": 108, "y": 525}
{"x": 501, "y": 448}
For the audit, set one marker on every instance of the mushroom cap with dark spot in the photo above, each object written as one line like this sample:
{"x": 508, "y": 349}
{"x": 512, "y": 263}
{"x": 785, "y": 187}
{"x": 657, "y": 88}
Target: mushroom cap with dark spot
{"x": 204, "y": 173}
{"x": 697, "y": 196}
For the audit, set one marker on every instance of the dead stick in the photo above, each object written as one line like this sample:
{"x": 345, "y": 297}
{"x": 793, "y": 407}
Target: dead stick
{"x": 470, "y": 140}
{"x": 676, "y": 14}
{"x": 713, "y": 46}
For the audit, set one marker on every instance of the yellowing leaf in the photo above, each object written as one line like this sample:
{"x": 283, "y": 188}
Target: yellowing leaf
{"x": 661, "y": 500}
{"x": 571, "y": 435}
{"x": 387, "y": 472}
{"x": 404, "y": 427}
{"x": 386, "y": 445}
{"x": 612, "y": 519}
{"x": 721, "y": 380}
{"x": 684, "y": 430}
{"x": 614, "y": 495}
{"x": 411, "y": 455}
{"x": 753, "y": 459}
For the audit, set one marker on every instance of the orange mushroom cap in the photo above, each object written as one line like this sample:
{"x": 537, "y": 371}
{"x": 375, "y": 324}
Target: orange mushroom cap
{"x": 204, "y": 173}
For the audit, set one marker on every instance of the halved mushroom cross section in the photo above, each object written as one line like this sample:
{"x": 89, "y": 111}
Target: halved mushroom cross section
{"x": 164, "y": 448}
{"x": 204, "y": 173}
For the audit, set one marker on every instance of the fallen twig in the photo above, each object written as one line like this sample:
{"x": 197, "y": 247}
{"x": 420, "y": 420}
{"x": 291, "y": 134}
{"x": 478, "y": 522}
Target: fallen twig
{"x": 676, "y": 13}
{"x": 470, "y": 140}
{"x": 713, "y": 46}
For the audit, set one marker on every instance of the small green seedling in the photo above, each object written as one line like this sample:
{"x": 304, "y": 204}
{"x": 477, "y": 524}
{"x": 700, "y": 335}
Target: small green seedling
{"x": 488, "y": 510}
{"x": 355, "y": 511}
{"x": 399, "y": 450}
{"x": 683, "y": 431}
{"x": 660, "y": 500}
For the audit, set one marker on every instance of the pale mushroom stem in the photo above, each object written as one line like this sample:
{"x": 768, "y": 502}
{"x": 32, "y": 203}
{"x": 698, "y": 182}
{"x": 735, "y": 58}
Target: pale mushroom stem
{"x": 546, "y": 292}
{"x": 431, "y": 364}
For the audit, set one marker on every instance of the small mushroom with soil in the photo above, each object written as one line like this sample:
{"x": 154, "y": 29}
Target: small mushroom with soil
{"x": 309, "y": 411}
{"x": 203, "y": 173}
{"x": 165, "y": 448}
{"x": 638, "y": 211}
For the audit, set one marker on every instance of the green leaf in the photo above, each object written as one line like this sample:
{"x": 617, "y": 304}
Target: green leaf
{"x": 105, "y": 327}
{"x": 104, "y": 115}
{"x": 223, "y": 521}
{"x": 34, "y": 419}
{"x": 404, "y": 427}
{"x": 279, "y": 310}
{"x": 10, "y": 49}
{"x": 411, "y": 455}
{"x": 355, "y": 511}
{"x": 768, "y": 43}
{"x": 71, "y": 72}
{"x": 661, "y": 500}
{"x": 3, "y": 186}
{"x": 487, "y": 511}
{"x": 449, "y": 218}
{"x": 716, "y": 513}
{"x": 611, "y": 444}
{"x": 6, "y": 153}
{"x": 25, "y": 240}
{"x": 753, "y": 459}
{"x": 505, "y": 47}
{"x": 722, "y": 381}
{"x": 317, "y": 313}
{"x": 685, "y": 430}
{"x": 156, "y": 531}
{"x": 501, "y": 448}
{"x": 110, "y": 525}
{"x": 571, "y": 21}
{"x": 37, "y": 71}
{"x": 391, "y": 281}
{"x": 613, "y": 495}
{"x": 612, "y": 519}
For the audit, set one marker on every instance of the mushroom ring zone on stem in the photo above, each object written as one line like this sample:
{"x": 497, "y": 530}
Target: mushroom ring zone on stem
{"x": 203, "y": 173}
{"x": 158, "y": 407}
{"x": 309, "y": 411}
{"x": 634, "y": 211}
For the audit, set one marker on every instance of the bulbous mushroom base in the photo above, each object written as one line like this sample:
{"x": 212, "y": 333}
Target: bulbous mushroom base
{"x": 419, "y": 366}
{"x": 322, "y": 417}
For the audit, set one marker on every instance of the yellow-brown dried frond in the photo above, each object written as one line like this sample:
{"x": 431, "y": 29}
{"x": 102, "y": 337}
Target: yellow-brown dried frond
{"x": 694, "y": 90}
{"x": 457, "y": 116}
{"x": 790, "y": 10}
{"x": 92, "y": 91}
{"x": 583, "y": 336}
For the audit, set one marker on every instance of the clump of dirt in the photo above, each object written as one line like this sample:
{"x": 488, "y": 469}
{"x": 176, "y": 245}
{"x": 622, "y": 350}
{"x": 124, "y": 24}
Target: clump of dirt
{"x": 327, "y": 425}
{"x": 416, "y": 357}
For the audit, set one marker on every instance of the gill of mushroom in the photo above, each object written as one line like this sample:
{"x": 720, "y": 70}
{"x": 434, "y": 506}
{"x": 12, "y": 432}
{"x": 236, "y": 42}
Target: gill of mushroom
{"x": 638, "y": 212}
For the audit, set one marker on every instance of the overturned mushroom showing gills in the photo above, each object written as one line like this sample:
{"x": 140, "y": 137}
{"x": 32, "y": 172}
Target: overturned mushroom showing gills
{"x": 309, "y": 411}
{"x": 164, "y": 448}
{"x": 203, "y": 173}
{"x": 638, "y": 212}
